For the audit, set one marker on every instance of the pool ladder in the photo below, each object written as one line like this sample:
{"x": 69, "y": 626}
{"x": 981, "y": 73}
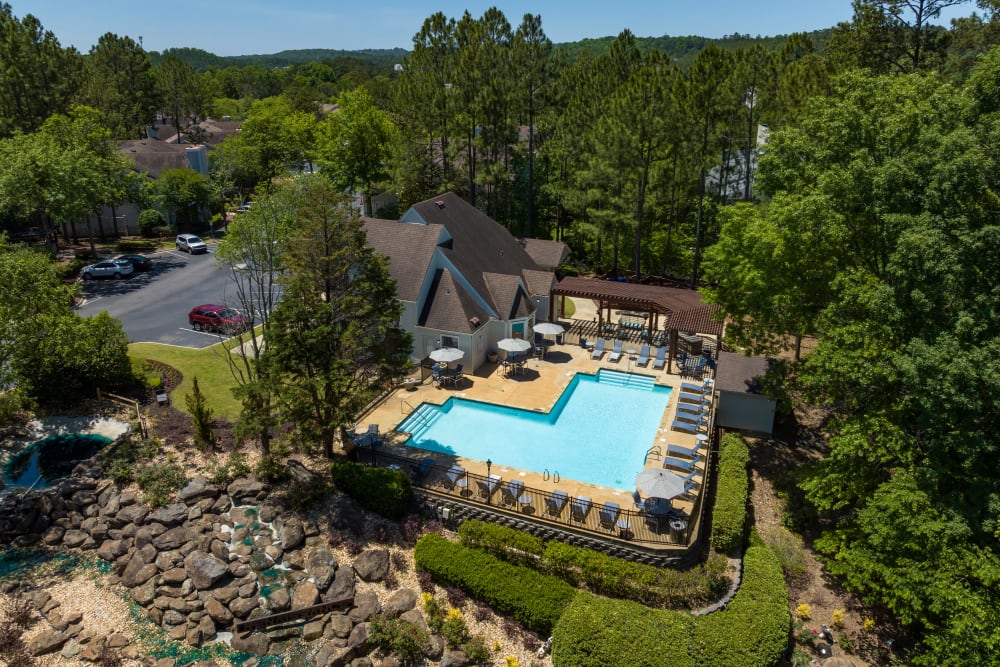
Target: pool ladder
{"x": 653, "y": 451}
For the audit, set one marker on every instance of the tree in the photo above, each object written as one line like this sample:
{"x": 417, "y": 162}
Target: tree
{"x": 119, "y": 81}
{"x": 334, "y": 338}
{"x": 357, "y": 142}
{"x": 532, "y": 51}
{"x": 201, "y": 417}
{"x": 182, "y": 92}
{"x": 186, "y": 193}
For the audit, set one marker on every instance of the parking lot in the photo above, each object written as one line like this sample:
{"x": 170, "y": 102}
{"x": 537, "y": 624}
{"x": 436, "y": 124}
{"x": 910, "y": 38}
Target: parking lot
{"x": 153, "y": 306}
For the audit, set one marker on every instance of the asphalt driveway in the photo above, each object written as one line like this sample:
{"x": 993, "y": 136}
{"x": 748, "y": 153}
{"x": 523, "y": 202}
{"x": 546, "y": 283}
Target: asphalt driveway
{"x": 153, "y": 306}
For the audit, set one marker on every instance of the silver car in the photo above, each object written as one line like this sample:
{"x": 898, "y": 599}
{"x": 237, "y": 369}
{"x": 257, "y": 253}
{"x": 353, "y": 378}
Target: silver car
{"x": 191, "y": 244}
{"x": 109, "y": 268}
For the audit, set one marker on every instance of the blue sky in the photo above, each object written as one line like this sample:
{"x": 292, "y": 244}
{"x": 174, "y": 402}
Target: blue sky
{"x": 235, "y": 27}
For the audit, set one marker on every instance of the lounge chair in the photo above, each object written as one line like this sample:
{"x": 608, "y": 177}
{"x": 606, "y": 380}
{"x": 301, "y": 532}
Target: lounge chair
{"x": 694, "y": 417}
{"x": 643, "y": 356}
{"x": 616, "y": 354}
{"x": 555, "y": 503}
{"x": 580, "y": 508}
{"x": 691, "y": 398}
{"x": 512, "y": 491}
{"x": 680, "y": 425}
{"x": 609, "y": 514}
{"x": 453, "y": 474}
{"x": 693, "y": 407}
{"x": 660, "y": 359}
{"x": 694, "y": 387}
{"x": 598, "y": 349}
{"x": 488, "y": 486}
{"x": 684, "y": 451}
{"x": 681, "y": 464}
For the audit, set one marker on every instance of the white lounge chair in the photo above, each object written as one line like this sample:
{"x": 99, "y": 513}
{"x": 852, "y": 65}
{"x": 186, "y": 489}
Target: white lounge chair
{"x": 643, "y": 356}
{"x": 598, "y": 349}
{"x": 616, "y": 354}
{"x": 660, "y": 359}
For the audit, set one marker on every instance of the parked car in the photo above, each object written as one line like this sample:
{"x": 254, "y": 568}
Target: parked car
{"x": 109, "y": 268}
{"x": 220, "y": 319}
{"x": 191, "y": 244}
{"x": 138, "y": 262}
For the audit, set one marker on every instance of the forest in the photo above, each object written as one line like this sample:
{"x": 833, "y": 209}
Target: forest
{"x": 840, "y": 186}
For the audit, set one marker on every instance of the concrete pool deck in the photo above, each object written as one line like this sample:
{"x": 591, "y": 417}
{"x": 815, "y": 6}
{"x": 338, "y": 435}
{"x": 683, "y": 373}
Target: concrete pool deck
{"x": 538, "y": 388}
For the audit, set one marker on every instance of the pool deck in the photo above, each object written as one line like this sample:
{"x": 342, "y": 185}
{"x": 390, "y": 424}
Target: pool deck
{"x": 539, "y": 387}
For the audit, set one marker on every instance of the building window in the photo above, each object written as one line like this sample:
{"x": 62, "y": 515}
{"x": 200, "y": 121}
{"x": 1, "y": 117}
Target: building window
{"x": 449, "y": 341}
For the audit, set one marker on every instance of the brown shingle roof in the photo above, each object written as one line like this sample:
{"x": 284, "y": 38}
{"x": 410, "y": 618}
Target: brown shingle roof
{"x": 154, "y": 157}
{"x": 449, "y": 307}
{"x": 539, "y": 282}
{"x": 738, "y": 373}
{"x": 503, "y": 290}
{"x": 686, "y": 309}
{"x": 409, "y": 248}
{"x": 549, "y": 254}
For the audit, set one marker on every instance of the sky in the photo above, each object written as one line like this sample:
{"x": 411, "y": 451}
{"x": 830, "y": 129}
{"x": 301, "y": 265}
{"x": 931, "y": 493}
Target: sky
{"x": 241, "y": 27}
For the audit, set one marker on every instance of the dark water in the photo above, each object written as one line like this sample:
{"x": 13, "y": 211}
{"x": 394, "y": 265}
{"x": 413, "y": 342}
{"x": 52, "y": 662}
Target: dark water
{"x": 50, "y": 459}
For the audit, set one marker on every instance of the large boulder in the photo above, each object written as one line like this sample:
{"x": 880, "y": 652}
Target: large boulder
{"x": 321, "y": 566}
{"x": 245, "y": 489}
{"x": 48, "y": 640}
{"x": 138, "y": 571}
{"x": 306, "y": 594}
{"x": 169, "y": 515}
{"x": 218, "y": 611}
{"x": 241, "y": 607}
{"x": 366, "y": 605}
{"x": 342, "y": 586}
{"x": 401, "y": 601}
{"x": 196, "y": 489}
{"x": 204, "y": 569}
{"x": 172, "y": 539}
{"x": 292, "y": 533}
{"x": 372, "y": 564}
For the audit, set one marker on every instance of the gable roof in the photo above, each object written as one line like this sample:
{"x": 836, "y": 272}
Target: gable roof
{"x": 154, "y": 157}
{"x": 479, "y": 244}
{"x": 450, "y": 307}
{"x": 539, "y": 282}
{"x": 549, "y": 254}
{"x": 409, "y": 249}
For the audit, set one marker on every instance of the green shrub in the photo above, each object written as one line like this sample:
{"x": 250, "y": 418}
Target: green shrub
{"x": 791, "y": 553}
{"x": 149, "y": 221}
{"x": 620, "y": 633}
{"x": 130, "y": 245}
{"x": 386, "y": 492}
{"x": 159, "y": 481}
{"x": 515, "y": 546}
{"x": 304, "y": 496}
{"x": 125, "y": 454}
{"x": 270, "y": 469}
{"x": 754, "y": 629}
{"x": 729, "y": 514}
{"x": 71, "y": 269}
{"x": 235, "y": 466}
{"x": 391, "y": 635}
{"x": 535, "y": 600}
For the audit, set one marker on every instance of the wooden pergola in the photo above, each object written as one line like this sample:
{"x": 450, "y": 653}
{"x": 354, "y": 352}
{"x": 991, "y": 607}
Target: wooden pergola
{"x": 682, "y": 310}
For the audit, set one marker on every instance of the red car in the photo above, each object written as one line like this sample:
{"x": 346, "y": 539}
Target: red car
{"x": 212, "y": 317}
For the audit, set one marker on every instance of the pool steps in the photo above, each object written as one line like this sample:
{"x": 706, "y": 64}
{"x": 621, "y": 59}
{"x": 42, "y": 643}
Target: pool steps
{"x": 622, "y": 379}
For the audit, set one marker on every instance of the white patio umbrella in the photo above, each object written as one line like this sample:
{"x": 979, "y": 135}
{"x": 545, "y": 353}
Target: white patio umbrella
{"x": 549, "y": 328}
{"x": 514, "y": 345}
{"x": 447, "y": 354}
{"x": 659, "y": 483}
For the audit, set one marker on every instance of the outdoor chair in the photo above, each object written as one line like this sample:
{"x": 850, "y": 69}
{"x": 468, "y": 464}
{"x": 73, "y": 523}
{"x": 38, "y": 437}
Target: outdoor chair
{"x": 580, "y": 508}
{"x": 700, "y": 409}
{"x": 453, "y": 474}
{"x": 583, "y": 342}
{"x": 695, "y": 388}
{"x": 681, "y": 464}
{"x": 637, "y": 500}
{"x": 643, "y": 356}
{"x": 488, "y": 486}
{"x": 512, "y": 491}
{"x": 693, "y": 417}
{"x": 660, "y": 359}
{"x": 680, "y": 425}
{"x": 616, "y": 354}
{"x": 598, "y": 349}
{"x": 609, "y": 514}
{"x": 691, "y": 398}
{"x": 555, "y": 503}
{"x": 684, "y": 451}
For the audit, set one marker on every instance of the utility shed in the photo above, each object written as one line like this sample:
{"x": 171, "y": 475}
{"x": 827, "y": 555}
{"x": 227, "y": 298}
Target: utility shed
{"x": 742, "y": 406}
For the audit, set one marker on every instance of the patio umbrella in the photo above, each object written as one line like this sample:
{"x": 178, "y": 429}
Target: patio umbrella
{"x": 514, "y": 345}
{"x": 659, "y": 483}
{"x": 549, "y": 328}
{"x": 447, "y": 354}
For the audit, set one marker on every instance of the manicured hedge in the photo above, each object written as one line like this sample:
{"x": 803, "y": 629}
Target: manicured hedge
{"x": 619, "y": 633}
{"x": 515, "y": 546}
{"x": 752, "y": 632}
{"x": 386, "y": 492}
{"x": 754, "y": 629}
{"x": 730, "y": 511}
{"x": 536, "y": 600}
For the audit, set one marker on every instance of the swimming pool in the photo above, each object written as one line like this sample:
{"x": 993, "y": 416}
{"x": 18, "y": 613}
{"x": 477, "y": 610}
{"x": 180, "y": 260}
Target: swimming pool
{"x": 597, "y": 432}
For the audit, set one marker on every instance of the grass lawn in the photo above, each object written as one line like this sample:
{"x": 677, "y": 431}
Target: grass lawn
{"x": 209, "y": 364}
{"x": 569, "y": 308}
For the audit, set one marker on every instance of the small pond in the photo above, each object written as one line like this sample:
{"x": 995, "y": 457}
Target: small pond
{"x": 50, "y": 459}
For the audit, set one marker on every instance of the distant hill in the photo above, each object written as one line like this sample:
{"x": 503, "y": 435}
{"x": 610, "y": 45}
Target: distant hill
{"x": 681, "y": 49}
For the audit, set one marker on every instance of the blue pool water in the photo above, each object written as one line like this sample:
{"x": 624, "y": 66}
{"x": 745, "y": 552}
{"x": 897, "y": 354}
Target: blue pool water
{"x": 597, "y": 432}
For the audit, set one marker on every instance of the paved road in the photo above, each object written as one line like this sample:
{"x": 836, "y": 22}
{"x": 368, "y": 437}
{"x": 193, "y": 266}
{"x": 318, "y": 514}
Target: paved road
{"x": 153, "y": 306}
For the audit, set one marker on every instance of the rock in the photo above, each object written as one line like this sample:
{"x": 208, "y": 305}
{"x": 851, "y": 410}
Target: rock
{"x": 137, "y": 573}
{"x": 219, "y": 549}
{"x": 174, "y": 575}
{"x": 196, "y": 489}
{"x": 278, "y": 599}
{"x": 292, "y": 533}
{"x": 321, "y": 566}
{"x": 312, "y": 630}
{"x": 53, "y": 535}
{"x": 359, "y": 638}
{"x": 372, "y": 564}
{"x": 76, "y": 538}
{"x": 333, "y": 656}
{"x": 172, "y": 539}
{"x": 92, "y": 651}
{"x": 112, "y": 549}
{"x": 243, "y": 489}
{"x": 401, "y": 601}
{"x": 342, "y": 587}
{"x": 168, "y": 560}
{"x": 205, "y": 570}
{"x": 365, "y": 661}
{"x": 341, "y": 625}
{"x": 47, "y": 641}
{"x": 434, "y": 648}
{"x": 224, "y": 593}
{"x": 70, "y": 649}
{"x": 241, "y": 607}
{"x": 117, "y": 640}
{"x": 454, "y": 659}
{"x": 415, "y": 617}
{"x": 306, "y": 594}
{"x": 268, "y": 512}
{"x": 169, "y": 515}
{"x": 95, "y": 527}
{"x": 218, "y": 612}
{"x": 365, "y": 606}
{"x": 172, "y": 617}
{"x": 136, "y": 514}
{"x": 145, "y": 594}
{"x": 253, "y": 642}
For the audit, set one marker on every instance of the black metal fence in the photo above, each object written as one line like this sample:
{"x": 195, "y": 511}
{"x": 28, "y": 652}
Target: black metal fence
{"x": 623, "y": 522}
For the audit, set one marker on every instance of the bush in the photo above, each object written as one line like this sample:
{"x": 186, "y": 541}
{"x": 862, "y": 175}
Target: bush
{"x": 621, "y": 633}
{"x": 391, "y": 635}
{"x": 130, "y": 246}
{"x": 386, "y": 492}
{"x": 754, "y": 629}
{"x": 160, "y": 481}
{"x": 235, "y": 466}
{"x": 730, "y": 512}
{"x": 511, "y": 545}
{"x": 534, "y": 599}
{"x": 125, "y": 454}
{"x": 71, "y": 269}
{"x": 303, "y": 496}
{"x": 269, "y": 469}
{"x": 149, "y": 221}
